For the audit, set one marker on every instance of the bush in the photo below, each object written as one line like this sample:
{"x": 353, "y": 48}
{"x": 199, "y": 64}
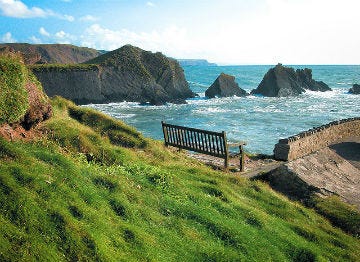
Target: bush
{"x": 13, "y": 95}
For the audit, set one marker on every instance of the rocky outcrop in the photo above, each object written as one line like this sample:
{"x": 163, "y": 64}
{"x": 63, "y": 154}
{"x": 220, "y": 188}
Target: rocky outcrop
{"x": 225, "y": 86}
{"x": 125, "y": 74}
{"x": 329, "y": 171}
{"x": 355, "y": 89}
{"x": 23, "y": 103}
{"x": 51, "y": 53}
{"x": 282, "y": 81}
{"x": 39, "y": 107}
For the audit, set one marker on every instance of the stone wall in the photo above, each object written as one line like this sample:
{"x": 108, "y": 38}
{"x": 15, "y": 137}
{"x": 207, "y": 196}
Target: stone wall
{"x": 314, "y": 139}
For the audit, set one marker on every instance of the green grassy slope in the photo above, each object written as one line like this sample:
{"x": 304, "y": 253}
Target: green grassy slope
{"x": 93, "y": 189}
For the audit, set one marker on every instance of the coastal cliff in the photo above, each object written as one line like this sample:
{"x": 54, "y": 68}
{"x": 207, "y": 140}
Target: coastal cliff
{"x": 51, "y": 53}
{"x": 282, "y": 81}
{"x": 23, "y": 103}
{"x": 126, "y": 74}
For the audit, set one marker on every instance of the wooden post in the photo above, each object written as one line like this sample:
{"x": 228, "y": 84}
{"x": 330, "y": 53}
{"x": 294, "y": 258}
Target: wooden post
{"x": 166, "y": 136}
{"x": 226, "y": 160}
{"x": 242, "y": 157}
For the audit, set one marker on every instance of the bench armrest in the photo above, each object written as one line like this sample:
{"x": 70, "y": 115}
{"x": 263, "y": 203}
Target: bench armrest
{"x": 241, "y": 143}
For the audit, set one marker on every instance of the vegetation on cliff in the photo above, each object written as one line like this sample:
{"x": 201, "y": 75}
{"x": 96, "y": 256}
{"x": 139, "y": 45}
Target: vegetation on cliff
{"x": 51, "y": 53}
{"x": 125, "y": 74}
{"x": 22, "y": 100}
{"x": 93, "y": 189}
{"x": 13, "y": 95}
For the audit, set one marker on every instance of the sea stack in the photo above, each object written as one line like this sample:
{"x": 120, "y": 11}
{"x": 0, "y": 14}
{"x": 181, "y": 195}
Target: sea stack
{"x": 225, "y": 86}
{"x": 126, "y": 74}
{"x": 282, "y": 81}
{"x": 355, "y": 90}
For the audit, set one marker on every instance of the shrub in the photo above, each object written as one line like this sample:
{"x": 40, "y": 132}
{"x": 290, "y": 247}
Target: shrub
{"x": 13, "y": 95}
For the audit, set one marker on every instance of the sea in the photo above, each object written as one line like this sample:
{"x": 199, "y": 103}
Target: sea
{"x": 260, "y": 121}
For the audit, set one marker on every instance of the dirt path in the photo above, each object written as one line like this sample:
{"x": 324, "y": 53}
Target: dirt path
{"x": 253, "y": 165}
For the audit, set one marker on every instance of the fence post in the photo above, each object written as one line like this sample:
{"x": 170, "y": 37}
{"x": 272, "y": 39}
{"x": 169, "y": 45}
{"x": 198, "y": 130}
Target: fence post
{"x": 226, "y": 160}
{"x": 166, "y": 136}
{"x": 242, "y": 157}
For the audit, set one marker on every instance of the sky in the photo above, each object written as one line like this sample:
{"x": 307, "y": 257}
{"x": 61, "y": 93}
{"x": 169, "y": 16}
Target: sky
{"x": 225, "y": 32}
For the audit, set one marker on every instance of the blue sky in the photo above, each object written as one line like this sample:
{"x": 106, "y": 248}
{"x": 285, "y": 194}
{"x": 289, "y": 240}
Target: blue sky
{"x": 225, "y": 32}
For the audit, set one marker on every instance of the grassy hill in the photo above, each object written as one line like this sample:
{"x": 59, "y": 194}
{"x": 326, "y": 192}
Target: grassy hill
{"x": 93, "y": 189}
{"x": 52, "y": 53}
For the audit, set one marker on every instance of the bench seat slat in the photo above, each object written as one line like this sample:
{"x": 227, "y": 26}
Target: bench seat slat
{"x": 201, "y": 141}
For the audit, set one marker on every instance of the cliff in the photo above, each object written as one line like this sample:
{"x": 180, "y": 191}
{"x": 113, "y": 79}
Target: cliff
{"x": 126, "y": 74}
{"x": 23, "y": 103}
{"x": 224, "y": 86}
{"x": 282, "y": 81}
{"x": 195, "y": 62}
{"x": 51, "y": 53}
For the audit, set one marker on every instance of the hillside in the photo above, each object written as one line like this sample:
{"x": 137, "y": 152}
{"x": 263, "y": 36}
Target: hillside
{"x": 51, "y": 53}
{"x": 195, "y": 62}
{"x": 87, "y": 187}
{"x": 125, "y": 74}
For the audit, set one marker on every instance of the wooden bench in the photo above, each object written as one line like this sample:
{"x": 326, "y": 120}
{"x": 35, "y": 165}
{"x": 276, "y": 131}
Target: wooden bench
{"x": 201, "y": 141}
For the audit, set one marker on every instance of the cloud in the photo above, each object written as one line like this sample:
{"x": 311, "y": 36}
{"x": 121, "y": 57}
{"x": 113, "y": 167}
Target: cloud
{"x": 35, "y": 40}
{"x": 88, "y": 18}
{"x": 17, "y": 9}
{"x": 172, "y": 40}
{"x": 150, "y": 4}
{"x": 7, "y": 38}
{"x": 67, "y": 17}
{"x": 64, "y": 38}
{"x": 43, "y": 32}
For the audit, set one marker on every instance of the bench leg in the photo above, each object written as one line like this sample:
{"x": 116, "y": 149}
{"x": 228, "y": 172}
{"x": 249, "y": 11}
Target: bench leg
{"x": 242, "y": 158}
{"x": 226, "y": 162}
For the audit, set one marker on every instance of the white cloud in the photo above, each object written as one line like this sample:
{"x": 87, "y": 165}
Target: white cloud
{"x": 64, "y": 38}
{"x": 7, "y": 38}
{"x": 150, "y": 4}
{"x": 172, "y": 41}
{"x": 35, "y": 40}
{"x": 67, "y": 17}
{"x": 43, "y": 32}
{"x": 88, "y": 18}
{"x": 17, "y": 9}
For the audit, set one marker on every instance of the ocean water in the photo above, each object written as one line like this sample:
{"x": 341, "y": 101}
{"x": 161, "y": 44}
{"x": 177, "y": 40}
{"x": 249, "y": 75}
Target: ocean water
{"x": 260, "y": 121}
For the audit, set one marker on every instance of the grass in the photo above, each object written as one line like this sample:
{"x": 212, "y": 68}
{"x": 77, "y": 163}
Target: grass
{"x": 81, "y": 194}
{"x": 13, "y": 94}
{"x": 62, "y": 67}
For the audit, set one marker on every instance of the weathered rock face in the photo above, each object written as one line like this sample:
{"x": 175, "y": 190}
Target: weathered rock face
{"x": 23, "y": 103}
{"x": 225, "y": 86}
{"x": 125, "y": 74}
{"x": 282, "y": 81}
{"x": 39, "y": 107}
{"x": 355, "y": 89}
{"x": 51, "y": 53}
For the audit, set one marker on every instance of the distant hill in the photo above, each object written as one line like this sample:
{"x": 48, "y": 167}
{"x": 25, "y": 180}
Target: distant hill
{"x": 195, "y": 62}
{"x": 52, "y": 53}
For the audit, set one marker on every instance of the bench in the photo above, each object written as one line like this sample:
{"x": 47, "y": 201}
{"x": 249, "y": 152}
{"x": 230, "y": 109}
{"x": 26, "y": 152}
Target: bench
{"x": 201, "y": 141}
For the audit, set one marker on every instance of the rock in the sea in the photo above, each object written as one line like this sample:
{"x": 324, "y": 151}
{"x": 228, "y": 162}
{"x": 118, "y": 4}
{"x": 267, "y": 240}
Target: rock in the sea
{"x": 225, "y": 86}
{"x": 282, "y": 81}
{"x": 126, "y": 74}
{"x": 355, "y": 89}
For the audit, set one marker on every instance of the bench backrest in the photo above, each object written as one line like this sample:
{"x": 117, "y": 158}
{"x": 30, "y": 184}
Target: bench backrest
{"x": 201, "y": 141}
